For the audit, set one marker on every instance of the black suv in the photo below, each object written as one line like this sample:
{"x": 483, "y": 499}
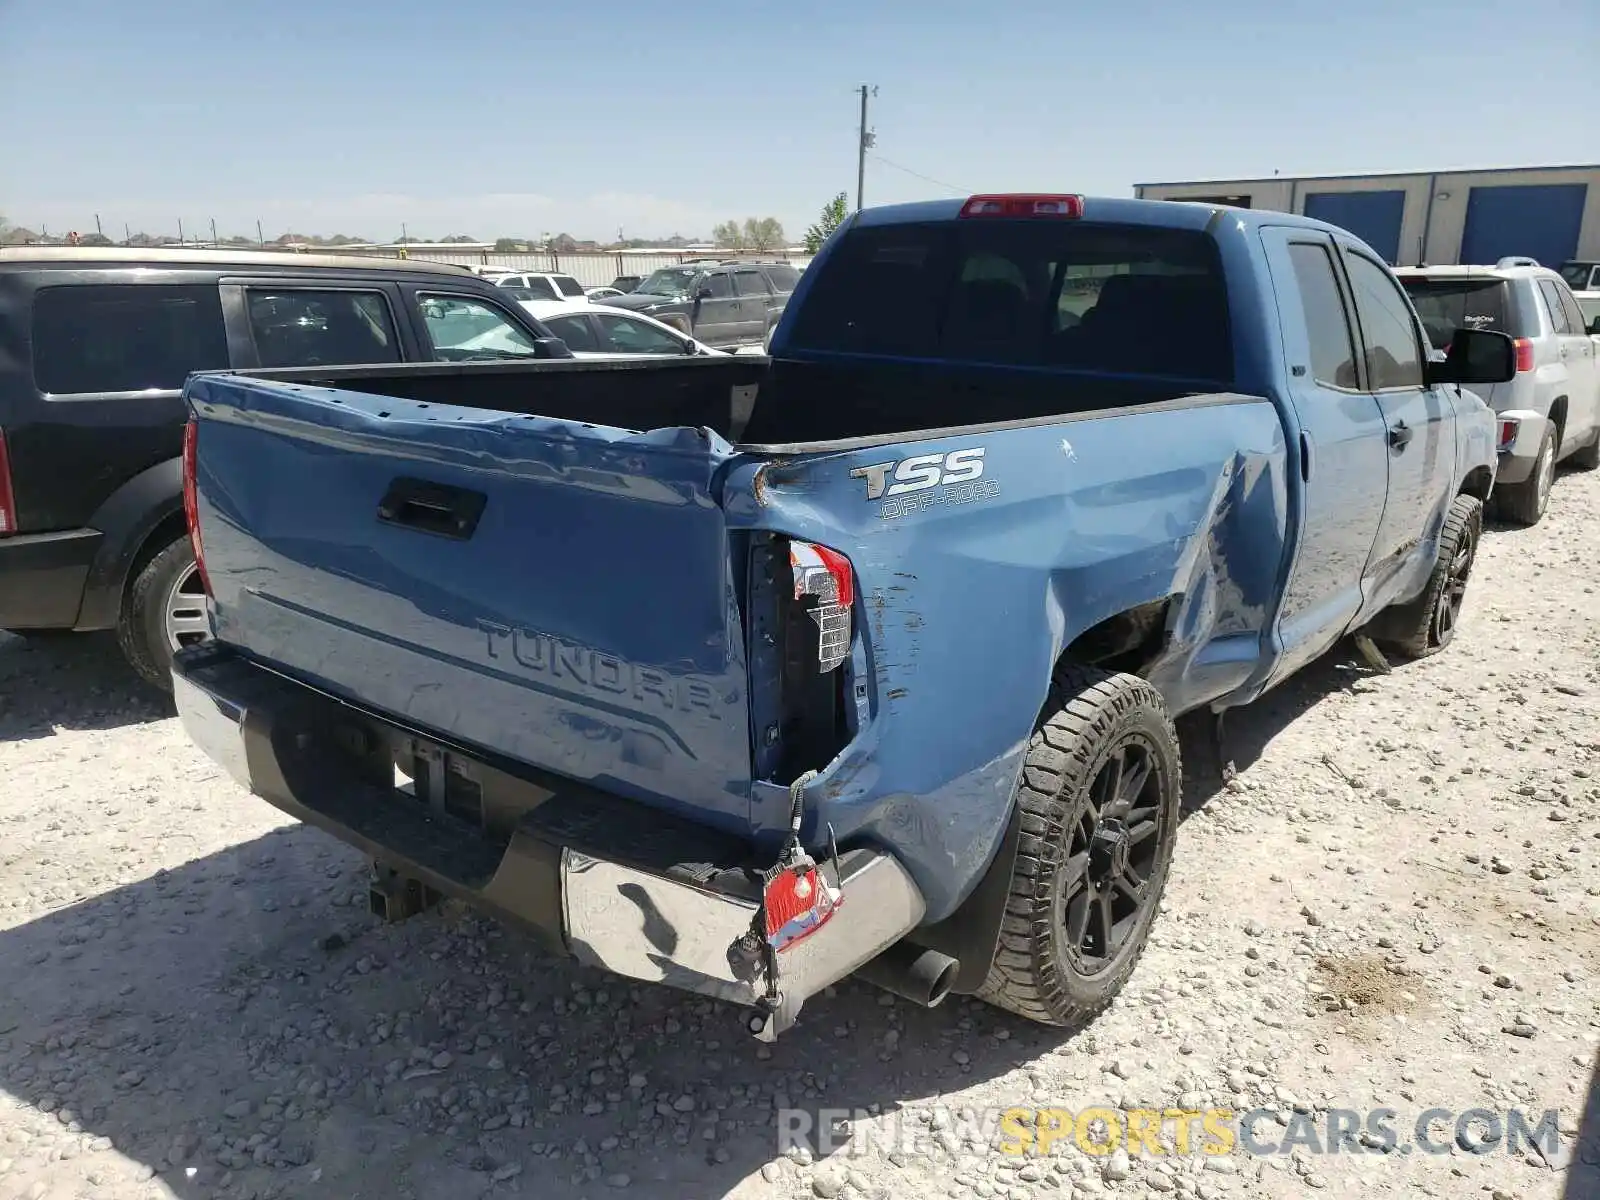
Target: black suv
{"x": 720, "y": 303}
{"x": 95, "y": 345}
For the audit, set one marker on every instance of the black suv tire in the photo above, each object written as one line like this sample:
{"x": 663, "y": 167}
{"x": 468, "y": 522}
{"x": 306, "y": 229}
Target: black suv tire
{"x": 142, "y": 626}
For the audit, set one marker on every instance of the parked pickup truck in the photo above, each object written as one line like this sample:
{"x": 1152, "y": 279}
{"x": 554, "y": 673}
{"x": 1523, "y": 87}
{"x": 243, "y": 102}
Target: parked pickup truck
{"x": 744, "y": 675}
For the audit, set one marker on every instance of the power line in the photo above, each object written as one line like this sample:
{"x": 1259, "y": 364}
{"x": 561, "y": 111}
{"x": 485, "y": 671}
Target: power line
{"x": 949, "y": 187}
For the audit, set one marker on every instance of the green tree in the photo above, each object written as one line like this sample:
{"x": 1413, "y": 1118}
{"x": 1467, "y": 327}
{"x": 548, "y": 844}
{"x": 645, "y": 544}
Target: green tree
{"x": 833, "y": 214}
{"x": 728, "y": 236}
{"x": 509, "y": 245}
{"x": 763, "y": 233}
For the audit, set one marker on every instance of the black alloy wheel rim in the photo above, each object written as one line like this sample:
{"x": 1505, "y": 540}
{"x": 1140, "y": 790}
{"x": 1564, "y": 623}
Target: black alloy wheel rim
{"x": 1107, "y": 882}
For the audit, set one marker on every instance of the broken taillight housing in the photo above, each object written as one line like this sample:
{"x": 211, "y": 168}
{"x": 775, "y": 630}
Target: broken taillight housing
{"x": 825, "y": 576}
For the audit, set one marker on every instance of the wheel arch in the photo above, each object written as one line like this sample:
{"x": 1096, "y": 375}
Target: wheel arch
{"x": 135, "y": 521}
{"x": 1128, "y": 641}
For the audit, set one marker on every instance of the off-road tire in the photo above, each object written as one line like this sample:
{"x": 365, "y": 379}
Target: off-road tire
{"x": 1523, "y": 502}
{"x": 1588, "y": 458}
{"x": 141, "y": 626}
{"x": 1414, "y": 629}
{"x": 1088, "y": 716}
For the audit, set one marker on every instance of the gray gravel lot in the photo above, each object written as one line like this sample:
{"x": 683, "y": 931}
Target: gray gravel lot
{"x": 1395, "y": 903}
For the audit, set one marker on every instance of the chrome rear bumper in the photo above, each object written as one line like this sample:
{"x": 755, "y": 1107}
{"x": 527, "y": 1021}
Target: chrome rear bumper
{"x": 638, "y": 919}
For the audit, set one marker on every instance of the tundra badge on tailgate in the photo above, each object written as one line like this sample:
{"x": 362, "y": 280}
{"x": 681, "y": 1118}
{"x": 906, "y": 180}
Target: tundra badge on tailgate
{"x": 927, "y": 480}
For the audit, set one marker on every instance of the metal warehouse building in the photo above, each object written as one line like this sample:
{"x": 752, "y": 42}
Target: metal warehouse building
{"x": 1550, "y": 214}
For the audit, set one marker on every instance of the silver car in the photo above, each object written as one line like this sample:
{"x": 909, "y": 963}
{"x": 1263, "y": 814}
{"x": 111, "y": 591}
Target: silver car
{"x": 1551, "y": 410}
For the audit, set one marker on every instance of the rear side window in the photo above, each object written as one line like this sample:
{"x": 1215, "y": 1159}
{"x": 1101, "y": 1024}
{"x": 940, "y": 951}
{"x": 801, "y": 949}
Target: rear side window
{"x": 125, "y": 337}
{"x": 574, "y": 331}
{"x": 296, "y": 328}
{"x": 1552, "y": 303}
{"x": 783, "y": 278}
{"x": 1129, "y": 299}
{"x": 1333, "y": 351}
{"x": 1446, "y": 305}
{"x": 1569, "y": 302}
{"x": 569, "y": 286}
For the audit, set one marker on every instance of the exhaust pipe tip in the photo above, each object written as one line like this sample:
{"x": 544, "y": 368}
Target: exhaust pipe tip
{"x": 921, "y": 976}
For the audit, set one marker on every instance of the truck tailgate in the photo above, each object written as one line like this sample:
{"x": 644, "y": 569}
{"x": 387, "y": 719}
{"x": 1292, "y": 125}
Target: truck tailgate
{"x": 557, "y": 592}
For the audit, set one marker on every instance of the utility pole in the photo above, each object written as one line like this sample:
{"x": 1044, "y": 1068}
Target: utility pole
{"x": 213, "y": 231}
{"x": 127, "y": 234}
{"x": 180, "y": 231}
{"x": 866, "y": 140}
{"x": 261, "y": 238}
{"x": 97, "y": 228}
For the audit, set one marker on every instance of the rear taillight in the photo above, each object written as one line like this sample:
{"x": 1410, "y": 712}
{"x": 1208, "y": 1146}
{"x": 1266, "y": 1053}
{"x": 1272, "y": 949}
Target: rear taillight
{"x": 191, "y": 499}
{"x": 8, "y": 498}
{"x": 1508, "y": 434}
{"x": 1069, "y": 207}
{"x": 825, "y": 576}
{"x": 1524, "y": 347}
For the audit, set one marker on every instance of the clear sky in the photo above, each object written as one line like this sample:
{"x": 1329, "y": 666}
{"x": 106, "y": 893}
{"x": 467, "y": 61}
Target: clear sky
{"x": 498, "y": 118}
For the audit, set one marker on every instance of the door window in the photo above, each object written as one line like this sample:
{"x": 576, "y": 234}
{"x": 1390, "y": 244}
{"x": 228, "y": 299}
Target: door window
{"x": 125, "y": 337}
{"x": 1388, "y": 331}
{"x": 1333, "y": 352}
{"x": 462, "y": 329}
{"x": 783, "y": 278}
{"x": 719, "y": 286}
{"x": 750, "y": 283}
{"x": 575, "y": 332}
{"x": 624, "y": 335}
{"x": 304, "y": 327}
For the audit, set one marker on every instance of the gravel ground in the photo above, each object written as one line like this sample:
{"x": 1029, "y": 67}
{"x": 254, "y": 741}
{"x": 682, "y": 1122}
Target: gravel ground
{"x": 1395, "y": 903}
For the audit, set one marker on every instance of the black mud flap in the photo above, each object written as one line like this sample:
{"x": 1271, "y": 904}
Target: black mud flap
{"x": 971, "y": 933}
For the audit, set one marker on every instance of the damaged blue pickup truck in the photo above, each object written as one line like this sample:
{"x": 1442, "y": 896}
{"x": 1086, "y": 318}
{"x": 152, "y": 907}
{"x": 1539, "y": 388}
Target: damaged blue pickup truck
{"x": 744, "y": 675}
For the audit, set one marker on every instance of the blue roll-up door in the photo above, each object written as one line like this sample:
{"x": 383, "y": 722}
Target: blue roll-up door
{"x": 1537, "y": 220}
{"x": 1374, "y": 217}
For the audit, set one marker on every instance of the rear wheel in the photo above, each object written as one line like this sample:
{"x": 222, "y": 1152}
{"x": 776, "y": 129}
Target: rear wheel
{"x": 1099, "y": 798}
{"x": 1428, "y": 624}
{"x": 165, "y": 610}
{"x": 1525, "y": 502}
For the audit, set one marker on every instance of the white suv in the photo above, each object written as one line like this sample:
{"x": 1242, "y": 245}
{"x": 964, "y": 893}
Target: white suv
{"x": 1551, "y": 410}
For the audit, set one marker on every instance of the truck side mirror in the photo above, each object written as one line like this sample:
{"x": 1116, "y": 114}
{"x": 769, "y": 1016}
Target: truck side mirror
{"x": 1476, "y": 356}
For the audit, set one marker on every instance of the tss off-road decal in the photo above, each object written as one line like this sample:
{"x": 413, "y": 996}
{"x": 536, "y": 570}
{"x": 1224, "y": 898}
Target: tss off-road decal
{"x": 927, "y": 481}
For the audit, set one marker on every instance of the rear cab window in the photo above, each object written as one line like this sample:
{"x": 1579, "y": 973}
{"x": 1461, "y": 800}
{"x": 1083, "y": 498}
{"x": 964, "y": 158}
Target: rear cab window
{"x": 1448, "y": 304}
{"x": 1129, "y": 299}
{"x": 568, "y": 285}
{"x": 97, "y": 338}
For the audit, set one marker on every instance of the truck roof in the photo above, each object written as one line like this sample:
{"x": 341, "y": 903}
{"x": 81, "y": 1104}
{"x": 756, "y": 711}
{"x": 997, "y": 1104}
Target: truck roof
{"x": 1171, "y": 214}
